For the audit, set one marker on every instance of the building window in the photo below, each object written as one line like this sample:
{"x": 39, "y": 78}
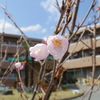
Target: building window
{"x": 13, "y": 76}
{"x": 91, "y": 52}
{"x": 10, "y": 55}
{"x": 75, "y": 38}
{"x": 5, "y": 42}
{"x": 13, "y": 43}
{"x": 97, "y": 35}
{"x": 90, "y": 34}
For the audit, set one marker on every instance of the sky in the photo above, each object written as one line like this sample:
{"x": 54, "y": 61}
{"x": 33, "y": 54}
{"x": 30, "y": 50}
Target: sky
{"x": 36, "y": 18}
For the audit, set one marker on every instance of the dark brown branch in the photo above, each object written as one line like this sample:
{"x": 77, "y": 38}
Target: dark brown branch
{"x": 92, "y": 5}
{"x": 52, "y": 84}
{"x": 60, "y": 19}
{"x": 76, "y": 7}
{"x": 39, "y": 80}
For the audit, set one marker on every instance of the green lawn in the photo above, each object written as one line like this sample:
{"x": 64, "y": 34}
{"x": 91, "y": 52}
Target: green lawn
{"x": 55, "y": 95}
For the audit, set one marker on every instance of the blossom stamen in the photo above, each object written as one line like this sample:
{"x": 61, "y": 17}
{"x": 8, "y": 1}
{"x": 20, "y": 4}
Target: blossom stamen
{"x": 57, "y": 43}
{"x": 37, "y": 51}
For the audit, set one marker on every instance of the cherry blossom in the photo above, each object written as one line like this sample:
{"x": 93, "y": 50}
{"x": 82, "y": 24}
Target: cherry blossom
{"x": 19, "y": 65}
{"x": 20, "y": 83}
{"x": 39, "y": 51}
{"x": 57, "y": 46}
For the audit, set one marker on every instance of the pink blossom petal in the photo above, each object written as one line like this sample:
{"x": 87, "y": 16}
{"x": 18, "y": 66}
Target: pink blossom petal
{"x": 21, "y": 67}
{"x": 34, "y": 55}
{"x": 31, "y": 48}
{"x": 20, "y": 83}
{"x": 39, "y": 51}
{"x": 18, "y": 64}
{"x": 57, "y": 46}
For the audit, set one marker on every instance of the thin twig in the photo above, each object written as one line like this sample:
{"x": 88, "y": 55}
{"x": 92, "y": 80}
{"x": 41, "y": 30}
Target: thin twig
{"x": 92, "y": 4}
{"x": 90, "y": 88}
{"x": 94, "y": 59}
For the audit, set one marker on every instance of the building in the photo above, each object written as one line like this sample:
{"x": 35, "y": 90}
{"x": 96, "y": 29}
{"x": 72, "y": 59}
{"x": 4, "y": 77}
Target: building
{"x": 80, "y": 63}
{"x": 9, "y": 44}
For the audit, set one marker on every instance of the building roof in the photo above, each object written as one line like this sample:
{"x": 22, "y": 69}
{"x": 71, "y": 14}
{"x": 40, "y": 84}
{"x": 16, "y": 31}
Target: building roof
{"x": 87, "y": 28}
{"x": 17, "y": 36}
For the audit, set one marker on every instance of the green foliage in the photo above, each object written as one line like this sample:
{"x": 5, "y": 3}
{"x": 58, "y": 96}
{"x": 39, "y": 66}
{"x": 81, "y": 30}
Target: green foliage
{"x": 30, "y": 93}
{"x": 25, "y": 44}
{"x": 64, "y": 87}
{"x": 73, "y": 80}
{"x": 15, "y": 82}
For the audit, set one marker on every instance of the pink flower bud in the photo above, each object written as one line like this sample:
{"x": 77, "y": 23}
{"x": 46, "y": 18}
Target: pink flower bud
{"x": 39, "y": 51}
{"x": 19, "y": 65}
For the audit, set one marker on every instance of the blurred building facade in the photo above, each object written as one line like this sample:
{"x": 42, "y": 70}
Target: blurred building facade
{"x": 80, "y": 63}
{"x": 9, "y": 48}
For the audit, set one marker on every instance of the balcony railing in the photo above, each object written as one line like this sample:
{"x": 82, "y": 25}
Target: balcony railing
{"x": 23, "y": 58}
{"x": 81, "y": 62}
{"x": 20, "y": 59}
{"x": 12, "y": 45}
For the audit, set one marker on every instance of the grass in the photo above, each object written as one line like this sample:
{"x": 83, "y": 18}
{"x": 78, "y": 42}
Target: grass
{"x": 55, "y": 95}
{"x": 60, "y": 94}
{"x": 15, "y": 96}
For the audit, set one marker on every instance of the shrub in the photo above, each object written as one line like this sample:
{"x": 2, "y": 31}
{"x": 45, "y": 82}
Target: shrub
{"x": 74, "y": 78}
{"x": 63, "y": 87}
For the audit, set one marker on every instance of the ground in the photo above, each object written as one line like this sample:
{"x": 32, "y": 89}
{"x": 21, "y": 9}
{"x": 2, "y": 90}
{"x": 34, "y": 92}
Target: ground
{"x": 55, "y": 95}
{"x": 95, "y": 95}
